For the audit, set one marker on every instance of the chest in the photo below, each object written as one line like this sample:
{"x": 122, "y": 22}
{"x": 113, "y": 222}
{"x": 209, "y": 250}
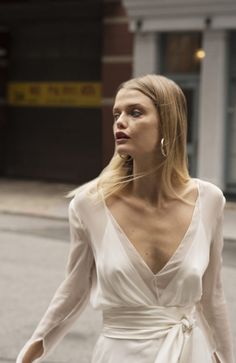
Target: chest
{"x": 156, "y": 235}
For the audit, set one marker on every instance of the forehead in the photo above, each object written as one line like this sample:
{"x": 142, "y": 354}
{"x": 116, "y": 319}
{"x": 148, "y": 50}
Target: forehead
{"x": 126, "y": 97}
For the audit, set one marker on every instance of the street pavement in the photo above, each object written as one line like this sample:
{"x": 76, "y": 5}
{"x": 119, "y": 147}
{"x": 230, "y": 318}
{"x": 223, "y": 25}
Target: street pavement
{"x": 34, "y": 237}
{"x": 32, "y": 265}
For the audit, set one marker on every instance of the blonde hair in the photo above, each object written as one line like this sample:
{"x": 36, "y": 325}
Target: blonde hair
{"x": 170, "y": 103}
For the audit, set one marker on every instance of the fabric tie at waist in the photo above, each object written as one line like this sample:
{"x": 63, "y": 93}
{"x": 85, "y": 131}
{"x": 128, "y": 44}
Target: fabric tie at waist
{"x": 176, "y": 325}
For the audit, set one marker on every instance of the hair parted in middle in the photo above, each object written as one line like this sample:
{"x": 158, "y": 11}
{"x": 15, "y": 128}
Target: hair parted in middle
{"x": 170, "y": 103}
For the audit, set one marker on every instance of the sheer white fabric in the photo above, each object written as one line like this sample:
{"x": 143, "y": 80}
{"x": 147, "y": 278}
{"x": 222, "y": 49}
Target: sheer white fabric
{"x": 176, "y": 315}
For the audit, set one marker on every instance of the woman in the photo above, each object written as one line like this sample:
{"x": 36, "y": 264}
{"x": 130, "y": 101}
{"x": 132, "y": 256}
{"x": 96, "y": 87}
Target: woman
{"x": 146, "y": 243}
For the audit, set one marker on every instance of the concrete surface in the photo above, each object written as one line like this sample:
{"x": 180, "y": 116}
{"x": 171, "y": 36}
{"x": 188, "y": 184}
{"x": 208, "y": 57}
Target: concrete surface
{"x": 32, "y": 265}
{"x": 35, "y": 198}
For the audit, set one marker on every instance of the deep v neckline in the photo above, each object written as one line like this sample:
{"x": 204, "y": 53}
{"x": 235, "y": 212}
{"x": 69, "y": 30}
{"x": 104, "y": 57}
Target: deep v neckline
{"x": 180, "y": 245}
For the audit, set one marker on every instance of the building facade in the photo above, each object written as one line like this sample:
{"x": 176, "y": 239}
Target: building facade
{"x": 194, "y": 43}
{"x": 61, "y": 62}
{"x": 117, "y": 65}
{"x": 52, "y": 80}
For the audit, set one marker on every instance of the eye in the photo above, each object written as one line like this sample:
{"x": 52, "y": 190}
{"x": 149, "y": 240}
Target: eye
{"x": 116, "y": 116}
{"x": 136, "y": 113}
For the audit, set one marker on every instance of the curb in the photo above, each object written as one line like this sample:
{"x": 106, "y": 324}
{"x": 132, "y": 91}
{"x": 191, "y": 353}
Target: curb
{"x": 33, "y": 215}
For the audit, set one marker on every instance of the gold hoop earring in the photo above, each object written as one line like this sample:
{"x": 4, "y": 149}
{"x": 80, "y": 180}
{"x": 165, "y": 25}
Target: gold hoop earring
{"x": 163, "y": 148}
{"x": 124, "y": 157}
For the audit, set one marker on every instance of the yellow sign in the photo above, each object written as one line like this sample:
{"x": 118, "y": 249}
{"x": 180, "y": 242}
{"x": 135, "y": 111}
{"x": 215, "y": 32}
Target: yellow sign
{"x": 54, "y": 94}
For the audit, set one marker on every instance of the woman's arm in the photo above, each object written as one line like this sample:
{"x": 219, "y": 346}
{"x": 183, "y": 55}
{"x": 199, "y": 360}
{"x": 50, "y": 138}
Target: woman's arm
{"x": 70, "y": 298}
{"x": 213, "y": 301}
{"x": 35, "y": 351}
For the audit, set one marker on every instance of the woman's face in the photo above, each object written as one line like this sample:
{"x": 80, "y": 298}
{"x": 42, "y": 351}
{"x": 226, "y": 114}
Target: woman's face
{"x": 136, "y": 116}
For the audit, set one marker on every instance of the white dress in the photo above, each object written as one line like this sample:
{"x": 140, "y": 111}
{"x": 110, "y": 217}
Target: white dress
{"x": 176, "y": 315}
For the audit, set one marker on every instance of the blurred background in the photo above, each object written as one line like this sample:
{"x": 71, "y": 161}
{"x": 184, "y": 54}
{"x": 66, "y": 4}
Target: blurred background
{"x": 60, "y": 64}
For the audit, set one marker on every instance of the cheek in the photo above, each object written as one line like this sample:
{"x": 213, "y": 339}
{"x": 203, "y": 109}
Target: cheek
{"x": 147, "y": 139}
{"x": 149, "y": 133}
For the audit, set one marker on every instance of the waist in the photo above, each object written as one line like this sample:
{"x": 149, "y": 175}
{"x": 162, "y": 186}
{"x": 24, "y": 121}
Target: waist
{"x": 146, "y": 322}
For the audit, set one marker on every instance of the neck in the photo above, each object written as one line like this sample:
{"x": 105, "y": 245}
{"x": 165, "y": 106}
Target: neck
{"x": 148, "y": 188}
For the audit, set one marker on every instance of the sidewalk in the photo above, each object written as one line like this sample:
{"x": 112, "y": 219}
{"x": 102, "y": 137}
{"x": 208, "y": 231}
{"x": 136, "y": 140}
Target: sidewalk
{"x": 35, "y": 198}
{"x": 44, "y": 199}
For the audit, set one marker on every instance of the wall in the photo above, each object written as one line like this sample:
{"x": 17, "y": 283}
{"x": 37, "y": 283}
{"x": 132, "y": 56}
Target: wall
{"x": 117, "y": 65}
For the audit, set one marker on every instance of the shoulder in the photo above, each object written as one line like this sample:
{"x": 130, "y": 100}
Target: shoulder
{"x": 212, "y": 194}
{"x": 211, "y": 188}
{"x": 82, "y": 191}
{"x": 81, "y": 198}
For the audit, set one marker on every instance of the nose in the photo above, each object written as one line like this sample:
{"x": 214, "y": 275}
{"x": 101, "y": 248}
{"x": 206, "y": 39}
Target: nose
{"x": 121, "y": 122}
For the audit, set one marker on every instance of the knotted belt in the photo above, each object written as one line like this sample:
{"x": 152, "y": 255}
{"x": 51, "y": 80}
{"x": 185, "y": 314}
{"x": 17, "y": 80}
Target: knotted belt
{"x": 183, "y": 340}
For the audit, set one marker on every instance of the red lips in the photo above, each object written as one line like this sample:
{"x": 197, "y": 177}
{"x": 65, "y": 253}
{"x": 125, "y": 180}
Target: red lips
{"x": 121, "y": 135}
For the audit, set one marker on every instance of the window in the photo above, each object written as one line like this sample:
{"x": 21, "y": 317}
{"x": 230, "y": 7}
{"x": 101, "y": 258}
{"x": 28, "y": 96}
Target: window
{"x": 181, "y": 53}
{"x": 180, "y": 60}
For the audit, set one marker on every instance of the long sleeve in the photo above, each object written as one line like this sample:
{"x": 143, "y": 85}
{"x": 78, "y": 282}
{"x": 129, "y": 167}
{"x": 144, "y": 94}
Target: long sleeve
{"x": 213, "y": 303}
{"x": 71, "y": 296}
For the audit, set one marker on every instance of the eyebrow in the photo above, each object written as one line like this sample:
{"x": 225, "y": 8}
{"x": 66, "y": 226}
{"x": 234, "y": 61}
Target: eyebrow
{"x": 131, "y": 105}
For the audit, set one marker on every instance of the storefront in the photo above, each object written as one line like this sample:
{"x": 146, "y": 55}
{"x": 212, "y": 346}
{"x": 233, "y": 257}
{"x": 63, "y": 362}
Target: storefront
{"x": 60, "y": 65}
{"x": 195, "y": 45}
{"x": 52, "y": 90}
